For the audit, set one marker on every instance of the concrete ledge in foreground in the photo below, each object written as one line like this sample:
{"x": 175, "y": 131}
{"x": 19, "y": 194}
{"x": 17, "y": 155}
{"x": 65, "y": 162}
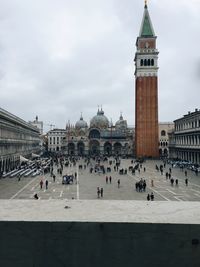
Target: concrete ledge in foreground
{"x": 41, "y": 233}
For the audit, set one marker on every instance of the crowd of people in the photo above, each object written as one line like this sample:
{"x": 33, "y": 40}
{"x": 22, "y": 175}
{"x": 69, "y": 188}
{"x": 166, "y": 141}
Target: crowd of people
{"x": 106, "y": 167}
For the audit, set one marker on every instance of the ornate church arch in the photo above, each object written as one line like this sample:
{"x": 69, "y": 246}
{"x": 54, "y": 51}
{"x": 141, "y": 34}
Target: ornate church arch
{"x": 94, "y": 134}
{"x": 81, "y": 148}
{"x": 71, "y": 149}
{"x": 94, "y": 148}
{"x": 117, "y": 148}
{"x": 108, "y": 149}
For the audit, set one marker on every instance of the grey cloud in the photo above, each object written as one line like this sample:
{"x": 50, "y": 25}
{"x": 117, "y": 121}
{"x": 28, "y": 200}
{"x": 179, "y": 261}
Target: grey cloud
{"x": 60, "y": 58}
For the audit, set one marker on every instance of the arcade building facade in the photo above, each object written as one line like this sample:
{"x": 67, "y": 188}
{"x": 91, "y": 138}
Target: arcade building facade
{"x": 17, "y": 138}
{"x": 184, "y": 143}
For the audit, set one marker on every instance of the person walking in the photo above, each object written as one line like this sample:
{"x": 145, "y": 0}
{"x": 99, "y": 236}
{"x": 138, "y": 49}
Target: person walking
{"x": 110, "y": 179}
{"x": 118, "y": 182}
{"x": 152, "y": 196}
{"x": 106, "y": 179}
{"x": 101, "y": 192}
{"x": 36, "y": 196}
{"x": 186, "y": 181}
{"x": 54, "y": 178}
{"x": 144, "y": 185}
{"x": 46, "y": 183}
{"x": 41, "y": 184}
{"x": 98, "y": 192}
{"x": 148, "y": 197}
{"x": 152, "y": 183}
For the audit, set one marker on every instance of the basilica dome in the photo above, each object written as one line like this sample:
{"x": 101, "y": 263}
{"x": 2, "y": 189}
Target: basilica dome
{"x": 81, "y": 123}
{"x": 121, "y": 124}
{"x": 99, "y": 121}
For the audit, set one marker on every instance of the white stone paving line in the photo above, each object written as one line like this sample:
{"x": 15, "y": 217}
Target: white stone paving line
{"x": 155, "y": 191}
{"x": 23, "y": 188}
{"x": 77, "y": 184}
{"x": 171, "y": 192}
{"x": 195, "y": 190}
{"x": 178, "y": 199}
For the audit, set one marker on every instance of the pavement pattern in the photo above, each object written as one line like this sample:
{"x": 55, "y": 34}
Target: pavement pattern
{"x": 85, "y": 186}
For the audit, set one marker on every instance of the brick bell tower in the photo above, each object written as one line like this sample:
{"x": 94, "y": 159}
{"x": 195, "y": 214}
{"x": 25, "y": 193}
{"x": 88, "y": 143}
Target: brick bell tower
{"x": 146, "y": 90}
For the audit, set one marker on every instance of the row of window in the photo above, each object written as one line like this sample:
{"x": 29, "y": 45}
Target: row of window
{"x": 163, "y": 143}
{"x": 188, "y": 140}
{"x": 147, "y": 62}
{"x": 187, "y": 125}
{"x": 58, "y": 139}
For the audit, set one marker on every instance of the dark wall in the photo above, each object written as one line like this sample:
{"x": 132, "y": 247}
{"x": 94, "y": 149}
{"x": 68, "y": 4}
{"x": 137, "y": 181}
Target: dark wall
{"x": 56, "y": 244}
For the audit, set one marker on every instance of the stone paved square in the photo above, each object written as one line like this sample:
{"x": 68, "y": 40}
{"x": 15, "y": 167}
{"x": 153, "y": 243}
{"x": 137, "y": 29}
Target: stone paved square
{"x": 86, "y": 186}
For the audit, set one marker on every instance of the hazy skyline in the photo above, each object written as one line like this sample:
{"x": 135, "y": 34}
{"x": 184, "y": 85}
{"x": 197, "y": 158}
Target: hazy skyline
{"x": 61, "y": 58}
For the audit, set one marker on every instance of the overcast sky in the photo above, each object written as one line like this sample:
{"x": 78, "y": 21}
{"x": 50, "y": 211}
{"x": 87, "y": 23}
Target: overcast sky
{"x": 59, "y": 58}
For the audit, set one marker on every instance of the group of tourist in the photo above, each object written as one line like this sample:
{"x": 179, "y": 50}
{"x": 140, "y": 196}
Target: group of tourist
{"x": 140, "y": 186}
{"x": 150, "y": 196}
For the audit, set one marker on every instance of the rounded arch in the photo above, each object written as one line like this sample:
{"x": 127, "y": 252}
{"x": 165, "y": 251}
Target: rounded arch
{"x": 141, "y": 62}
{"x": 94, "y": 148}
{"x": 152, "y": 62}
{"x": 163, "y": 133}
{"x": 108, "y": 149}
{"x": 166, "y": 152}
{"x": 81, "y": 148}
{"x": 117, "y": 148}
{"x": 94, "y": 134}
{"x": 145, "y": 62}
{"x": 160, "y": 151}
{"x": 71, "y": 149}
{"x": 149, "y": 62}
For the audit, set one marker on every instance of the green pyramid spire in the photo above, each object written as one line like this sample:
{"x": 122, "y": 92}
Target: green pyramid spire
{"x": 146, "y": 27}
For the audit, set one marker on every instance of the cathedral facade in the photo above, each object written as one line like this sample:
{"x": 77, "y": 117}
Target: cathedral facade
{"x": 100, "y": 137}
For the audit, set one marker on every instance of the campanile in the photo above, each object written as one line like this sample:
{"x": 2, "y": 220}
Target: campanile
{"x": 146, "y": 90}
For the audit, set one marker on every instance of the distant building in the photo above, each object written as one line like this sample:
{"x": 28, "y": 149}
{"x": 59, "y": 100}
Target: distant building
{"x": 38, "y": 124}
{"x": 164, "y": 129}
{"x": 185, "y": 139}
{"x": 17, "y": 138}
{"x": 101, "y": 137}
{"x": 55, "y": 139}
